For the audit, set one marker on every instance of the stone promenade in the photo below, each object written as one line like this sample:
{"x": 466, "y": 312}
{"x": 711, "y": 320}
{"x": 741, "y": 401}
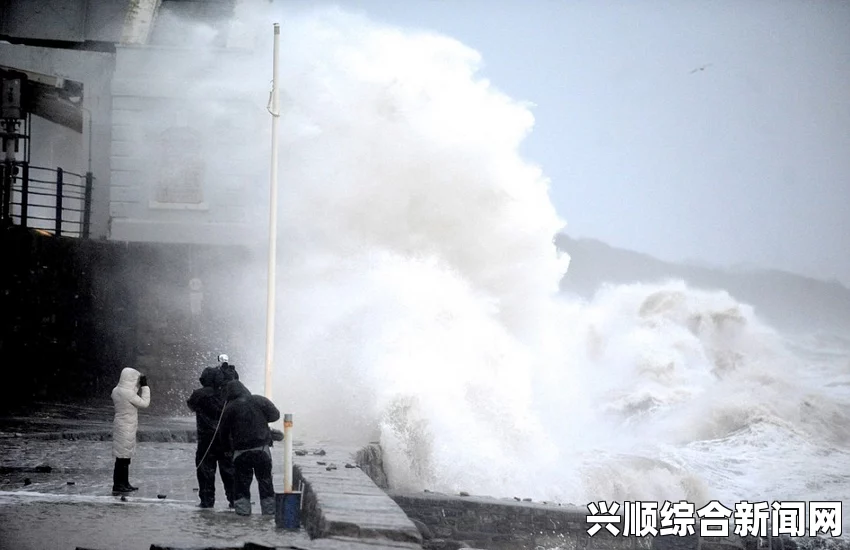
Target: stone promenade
{"x": 55, "y": 493}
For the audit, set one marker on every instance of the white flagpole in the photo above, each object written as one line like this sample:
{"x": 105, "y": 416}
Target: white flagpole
{"x": 270, "y": 304}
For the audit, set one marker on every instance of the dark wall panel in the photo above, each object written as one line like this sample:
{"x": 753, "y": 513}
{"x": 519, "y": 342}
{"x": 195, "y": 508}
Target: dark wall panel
{"x": 45, "y": 19}
{"x": 63, "y": 20}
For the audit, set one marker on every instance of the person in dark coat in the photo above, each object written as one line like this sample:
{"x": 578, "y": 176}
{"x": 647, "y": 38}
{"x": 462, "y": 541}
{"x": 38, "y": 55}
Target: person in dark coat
{"x": 207, "y": 403}
{"x": 245, "y": 431}
{"x": 227, "y": 369}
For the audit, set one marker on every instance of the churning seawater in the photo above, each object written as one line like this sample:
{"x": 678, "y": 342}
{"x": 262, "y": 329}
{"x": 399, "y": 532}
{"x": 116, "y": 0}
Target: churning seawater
{"x": 419, "y": 303}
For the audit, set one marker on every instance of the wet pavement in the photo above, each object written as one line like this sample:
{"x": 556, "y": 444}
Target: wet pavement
{"x": 56, "y": 487}
{"x": 52, "y": 522}
{"x": 56, "y": 492}
{"x": 84, "y": 468}
{"x": 72, "y": 504}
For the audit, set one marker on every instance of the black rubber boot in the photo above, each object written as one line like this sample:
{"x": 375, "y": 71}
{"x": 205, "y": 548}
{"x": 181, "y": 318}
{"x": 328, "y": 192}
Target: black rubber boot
{"x": 120, "y": 477}
{"x": 127, "y": 475}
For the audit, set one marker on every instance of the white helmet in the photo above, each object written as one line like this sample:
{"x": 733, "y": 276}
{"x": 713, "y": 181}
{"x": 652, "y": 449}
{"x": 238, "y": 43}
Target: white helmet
{"x": 223, "y": 358}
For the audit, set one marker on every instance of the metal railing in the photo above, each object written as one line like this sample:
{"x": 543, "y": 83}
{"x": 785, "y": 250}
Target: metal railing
{"x": 53, "y": 200}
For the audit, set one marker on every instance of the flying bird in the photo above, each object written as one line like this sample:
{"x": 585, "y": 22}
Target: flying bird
{"x": 700, "y": 68}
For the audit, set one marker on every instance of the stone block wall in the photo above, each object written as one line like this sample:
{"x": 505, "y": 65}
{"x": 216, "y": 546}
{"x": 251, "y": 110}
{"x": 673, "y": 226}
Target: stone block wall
{"x": 55, "y": 298}
{"x": 463, "y": 521}
{"x": 74, "y": 312}
{"x": 370, "y": 459}
{"x": 496, "y": 525}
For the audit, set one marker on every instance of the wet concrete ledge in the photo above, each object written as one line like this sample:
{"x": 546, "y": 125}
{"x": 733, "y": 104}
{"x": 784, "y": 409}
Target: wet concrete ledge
{"x": 505, "y": 524}
{"x": 340, "y": 503}
{"x": 151, "y": 429}
{"x": 330, "y": 543}
{"x": 451, "y": 521}
{"x": 144, "y": 435}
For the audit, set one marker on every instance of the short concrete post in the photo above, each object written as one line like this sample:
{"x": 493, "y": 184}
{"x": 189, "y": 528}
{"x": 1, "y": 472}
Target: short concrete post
{"x": 287, "y": 453}
{"x": 287, "y": 503}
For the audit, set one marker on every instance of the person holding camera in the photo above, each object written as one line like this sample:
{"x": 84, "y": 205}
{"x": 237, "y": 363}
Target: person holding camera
{"x": 127, "y": 401}
{"x": 207, "y": 402}
{"x": 228, "y": 369}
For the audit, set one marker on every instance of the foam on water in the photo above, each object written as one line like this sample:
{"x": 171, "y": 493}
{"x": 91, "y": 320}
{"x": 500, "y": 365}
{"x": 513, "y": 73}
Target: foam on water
{"x": 418, "y": 304}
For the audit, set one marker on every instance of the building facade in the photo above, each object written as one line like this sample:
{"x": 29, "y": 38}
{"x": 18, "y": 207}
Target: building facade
{"x": 161, "y": 120}
{"x": 159, "y": 102}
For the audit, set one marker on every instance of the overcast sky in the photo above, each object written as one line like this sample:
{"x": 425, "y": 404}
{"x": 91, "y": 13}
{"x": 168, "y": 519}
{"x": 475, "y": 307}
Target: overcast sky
{"x": 711, "y": 131}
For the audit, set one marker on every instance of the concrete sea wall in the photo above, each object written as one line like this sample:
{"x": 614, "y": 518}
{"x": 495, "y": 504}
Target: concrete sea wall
{"x": 464, "y": 521}
{"x": 75, "y": 312}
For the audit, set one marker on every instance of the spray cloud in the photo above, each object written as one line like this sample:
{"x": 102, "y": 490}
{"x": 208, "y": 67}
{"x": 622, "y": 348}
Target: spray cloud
{"x": 418, "y": 278}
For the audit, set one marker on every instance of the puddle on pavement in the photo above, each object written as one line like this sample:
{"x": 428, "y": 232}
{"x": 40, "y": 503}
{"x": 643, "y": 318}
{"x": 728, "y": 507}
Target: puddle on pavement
{"x": 51, "y": 522}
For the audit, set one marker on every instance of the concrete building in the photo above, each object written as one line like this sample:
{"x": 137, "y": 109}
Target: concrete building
{"x": 165, "y": 105}
{"x": 161, "y": 143}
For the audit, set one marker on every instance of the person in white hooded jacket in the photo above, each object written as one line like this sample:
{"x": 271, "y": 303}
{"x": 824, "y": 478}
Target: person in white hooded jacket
{"x": 127, "y": 402}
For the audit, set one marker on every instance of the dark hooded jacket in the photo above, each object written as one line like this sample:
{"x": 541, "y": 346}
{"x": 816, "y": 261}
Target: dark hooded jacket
{"x": 207, "y": 403}
{"x": 245, "y": 422}
{"x": 229, "y": 372}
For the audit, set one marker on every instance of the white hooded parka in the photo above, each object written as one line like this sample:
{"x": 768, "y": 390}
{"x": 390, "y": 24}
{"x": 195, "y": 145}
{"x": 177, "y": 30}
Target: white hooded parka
{"x": 127, "y": 404}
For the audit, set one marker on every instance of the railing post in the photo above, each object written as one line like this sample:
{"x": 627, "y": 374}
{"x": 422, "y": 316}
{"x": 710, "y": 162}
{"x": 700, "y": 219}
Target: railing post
{"x": 6, "y": 181}
{"x": 25, "y": 193}
{"x": 59, "y": 192}
{"x": 87, "y": 205}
